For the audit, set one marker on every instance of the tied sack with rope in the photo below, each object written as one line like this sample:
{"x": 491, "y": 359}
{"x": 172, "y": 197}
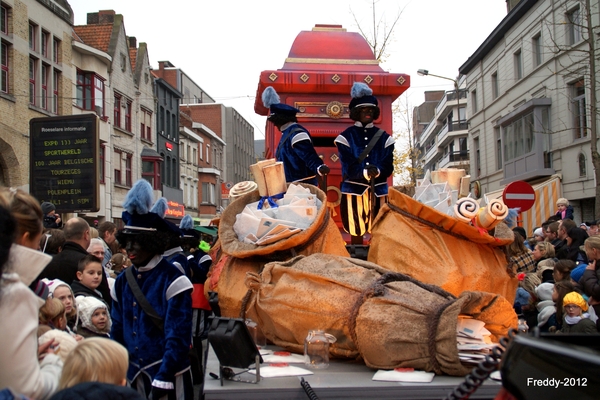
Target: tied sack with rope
{"x": 236, "y": 258}
{"x": 414, "y": 239}
{"x": 389, "y": 319}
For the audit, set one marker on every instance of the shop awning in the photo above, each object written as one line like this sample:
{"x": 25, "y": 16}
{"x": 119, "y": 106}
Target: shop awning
{"x": 209, "y": 230}
{"x": 546, "y": 194}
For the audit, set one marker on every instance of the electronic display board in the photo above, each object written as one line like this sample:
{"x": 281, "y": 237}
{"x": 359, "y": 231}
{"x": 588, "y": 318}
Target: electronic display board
{"x": 64, "y": 167}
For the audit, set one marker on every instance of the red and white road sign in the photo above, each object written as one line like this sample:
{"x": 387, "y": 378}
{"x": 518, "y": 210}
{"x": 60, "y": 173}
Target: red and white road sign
{"x": 519, "y": 194}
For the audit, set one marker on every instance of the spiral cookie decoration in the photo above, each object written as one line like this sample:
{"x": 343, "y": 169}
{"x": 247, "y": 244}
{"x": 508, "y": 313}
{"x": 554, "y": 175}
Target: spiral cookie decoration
{"x": 242, "y": 188}
{"x": 492, "y": 214}
{"x": 466, "y": 209}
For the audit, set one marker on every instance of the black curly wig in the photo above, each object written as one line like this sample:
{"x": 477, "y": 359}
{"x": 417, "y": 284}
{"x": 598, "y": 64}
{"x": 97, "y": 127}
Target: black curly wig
{"x": 281, "y": 119}
{"x": 154, "y": 242}
{"x": 355, "y": 113}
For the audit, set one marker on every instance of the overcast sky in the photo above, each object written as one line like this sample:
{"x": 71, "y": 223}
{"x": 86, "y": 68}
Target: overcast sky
{"x": 224, "y": 45}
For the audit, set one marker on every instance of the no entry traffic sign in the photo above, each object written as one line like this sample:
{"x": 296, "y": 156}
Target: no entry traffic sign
{"x": 519, "y": 194}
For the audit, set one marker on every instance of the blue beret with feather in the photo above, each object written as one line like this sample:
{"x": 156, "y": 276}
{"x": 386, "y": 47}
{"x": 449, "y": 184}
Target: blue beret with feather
{"x": 140, "y": 197}
{"x": 272, "y": 101}
{"x": 362, "y": 96}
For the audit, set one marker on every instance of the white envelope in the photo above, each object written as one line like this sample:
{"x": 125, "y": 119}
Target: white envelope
{"x": 281, "y": 234}
{"x": 395, "y": 376}
{"x": 302, "y": 216}
{"x": 274, "y": 372}
{"x": 244, "y": 225}
{"x": 266, "y": 224}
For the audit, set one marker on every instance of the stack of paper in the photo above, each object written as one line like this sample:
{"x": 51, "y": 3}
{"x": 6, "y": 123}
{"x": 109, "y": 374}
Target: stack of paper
{"x": 473, "y": 340}
{"x": 295, "y": 212}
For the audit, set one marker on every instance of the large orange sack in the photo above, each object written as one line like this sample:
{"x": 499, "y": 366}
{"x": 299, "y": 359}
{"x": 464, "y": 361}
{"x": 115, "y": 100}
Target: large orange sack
{"x": 435, "y": 248}
{"x": 236, "y": 258}
{"x": 389, "y": 319}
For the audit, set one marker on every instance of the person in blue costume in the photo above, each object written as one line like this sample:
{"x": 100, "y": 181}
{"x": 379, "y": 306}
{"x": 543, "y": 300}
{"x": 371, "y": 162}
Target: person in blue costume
{"x": 364, "y": 175}
{"x": 295, "y": 149}
{"x": 199, "y": 263}
{"x": 158, "y": 337}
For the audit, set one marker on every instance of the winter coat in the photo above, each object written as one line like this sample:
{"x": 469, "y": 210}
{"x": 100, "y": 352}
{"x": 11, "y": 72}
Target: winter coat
{"x": 585, "y": 325}
{"x": 590, "y": 282}
{"x": 19, "y": 366}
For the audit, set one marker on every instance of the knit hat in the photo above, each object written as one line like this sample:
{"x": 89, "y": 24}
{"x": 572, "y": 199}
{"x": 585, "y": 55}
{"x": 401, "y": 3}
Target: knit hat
{"x": 577, "y": 272}
{"x": 53, "y": 284}
{"x": 47, "y": 207}
{"x": 65, "y": 341}
{"x": 562, "y": 201}
{"x": 86, "y": 306}
{"x": 538, "y": 232}
{"x": 520, "y": 231}
{"x": 575, "y": 298}
{"x": 40, "y": 289}
{"x": 544, "y": 291}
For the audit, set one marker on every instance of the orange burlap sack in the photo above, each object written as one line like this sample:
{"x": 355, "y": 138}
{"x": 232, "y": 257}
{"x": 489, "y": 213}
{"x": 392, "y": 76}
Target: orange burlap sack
{"x": 435, "y": 248}
{"x": 388, "y": 318}
{"x": 236, "y": 258}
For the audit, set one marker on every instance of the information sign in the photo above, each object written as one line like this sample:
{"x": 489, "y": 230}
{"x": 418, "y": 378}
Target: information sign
{"x": 64, "y": 168}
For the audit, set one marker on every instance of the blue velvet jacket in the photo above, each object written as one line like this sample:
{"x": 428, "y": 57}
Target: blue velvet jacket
{"x": 159, "y": 354}
{"x": 296, "y": 151}
{"x": 351, "y": 144}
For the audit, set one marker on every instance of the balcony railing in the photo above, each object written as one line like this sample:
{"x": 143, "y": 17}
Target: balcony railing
{"x": 447, "y": 130}
{"x": 454, "y": 157}
{"x": 450, "y": 96}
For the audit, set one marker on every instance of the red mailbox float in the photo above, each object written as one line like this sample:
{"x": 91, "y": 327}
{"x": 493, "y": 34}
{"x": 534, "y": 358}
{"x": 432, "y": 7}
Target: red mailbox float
{"x": 316, "y": 78}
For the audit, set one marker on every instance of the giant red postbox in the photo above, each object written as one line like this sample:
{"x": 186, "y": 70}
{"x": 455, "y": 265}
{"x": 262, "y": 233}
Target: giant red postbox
{"x": 316, "y": 78}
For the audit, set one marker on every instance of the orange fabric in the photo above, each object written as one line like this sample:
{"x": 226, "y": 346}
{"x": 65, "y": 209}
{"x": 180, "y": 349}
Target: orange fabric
{"x": 442, "y": 251}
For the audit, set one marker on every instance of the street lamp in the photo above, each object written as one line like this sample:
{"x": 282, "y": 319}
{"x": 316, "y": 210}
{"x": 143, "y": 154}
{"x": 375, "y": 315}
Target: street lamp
{"x": 424, "y": 72}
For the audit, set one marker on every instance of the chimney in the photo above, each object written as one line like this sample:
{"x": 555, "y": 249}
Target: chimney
{"x": 107, "y": 16}
{"x": 132, "y": 42}
{"x": 92, "y": 18}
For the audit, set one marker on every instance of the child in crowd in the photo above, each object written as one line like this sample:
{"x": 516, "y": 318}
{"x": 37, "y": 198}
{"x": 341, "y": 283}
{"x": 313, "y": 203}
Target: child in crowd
{"x": 576, "y": 319}
{"x": 95, "y": 360}
{"x": 52, "y": 316}
{"x": 558, "y": 293}
{"x": 119, "y": 262}
{"x": 63, "y": 292}
{"x": 546, "y": 317}
{"x": 544, "y": 270}
{"x": 562, "y": 270}
{"x": 564, "y": 209}
{"x": 52, "y": 326}
{"x": 94, "y": 318}
{"x": 89, "y": 275}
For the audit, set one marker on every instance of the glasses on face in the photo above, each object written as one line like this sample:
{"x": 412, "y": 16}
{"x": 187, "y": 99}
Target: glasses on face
{"x": 571, "y": 307}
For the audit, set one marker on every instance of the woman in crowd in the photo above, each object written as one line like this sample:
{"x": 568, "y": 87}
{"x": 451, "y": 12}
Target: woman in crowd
{"x": 542, "y": 251}
{"x": 20, "y": 369}
{"x": 521, "y": 258}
